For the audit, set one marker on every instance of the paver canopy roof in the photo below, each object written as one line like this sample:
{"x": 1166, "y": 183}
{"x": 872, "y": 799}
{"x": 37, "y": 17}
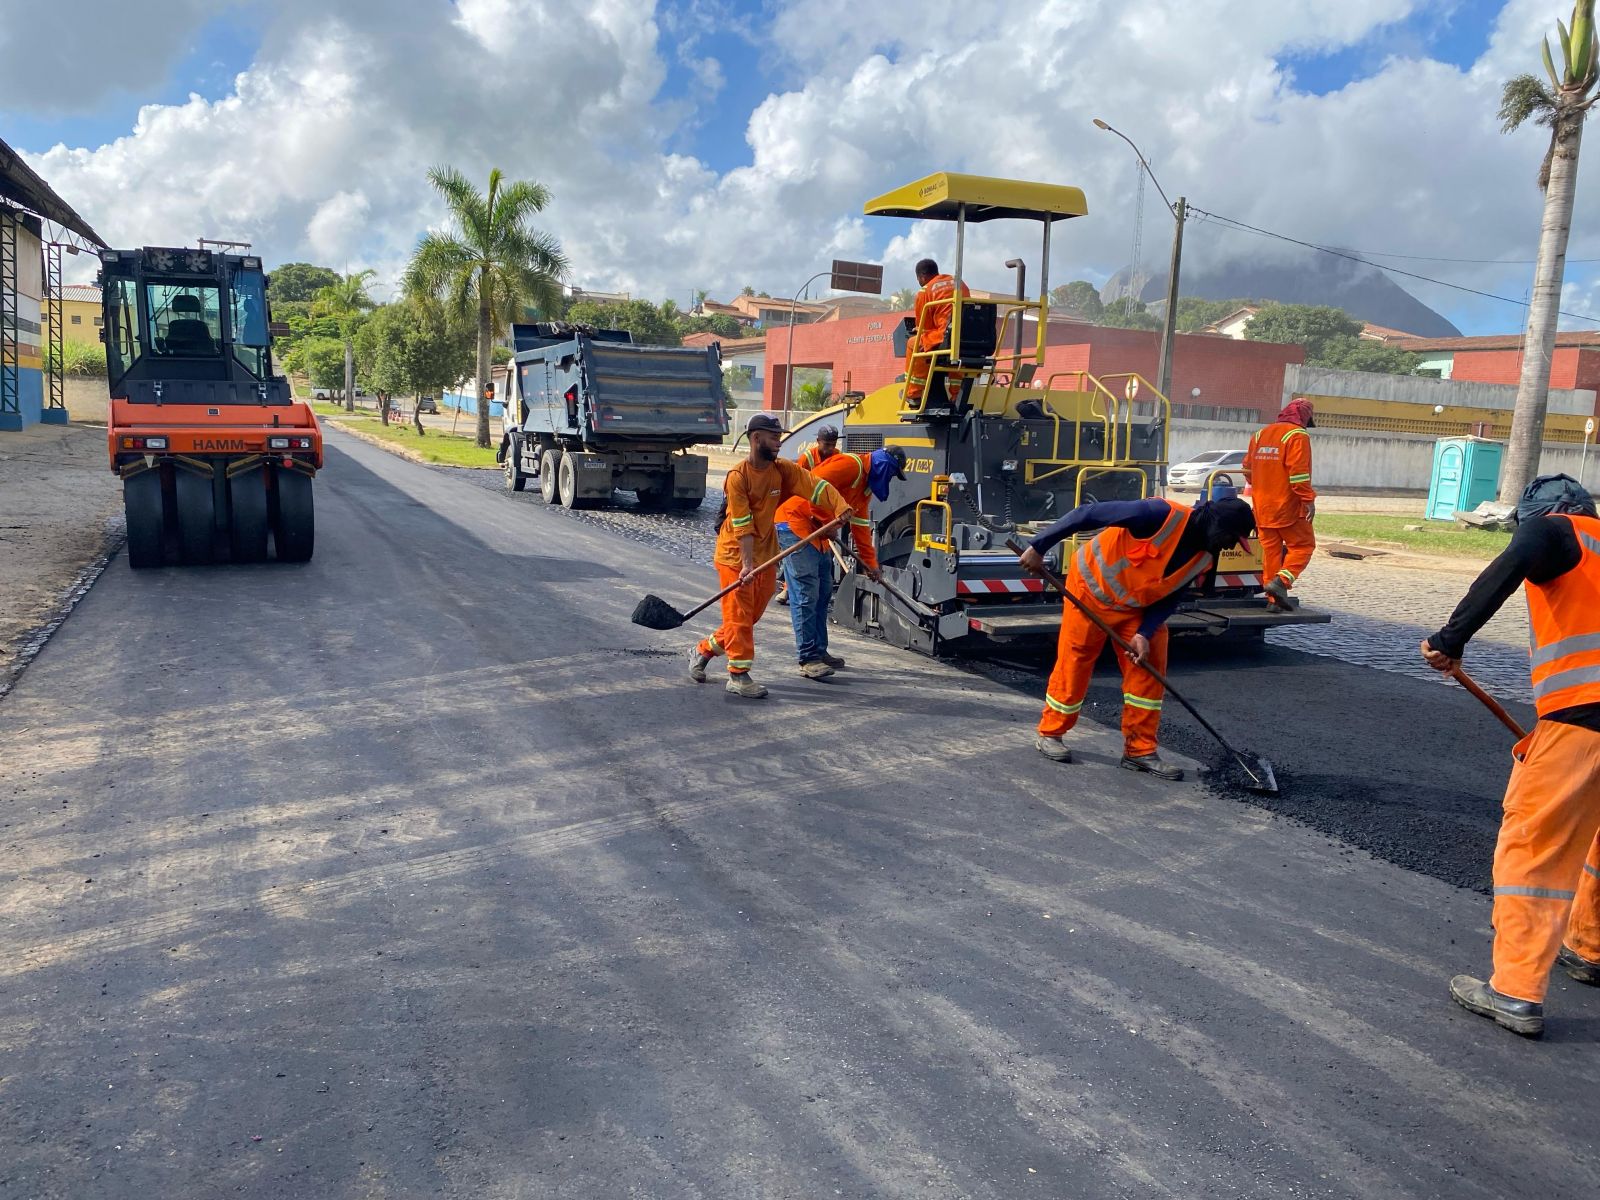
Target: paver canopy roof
{"x": 21, "y": 184}
{"x": 940, "y": 198}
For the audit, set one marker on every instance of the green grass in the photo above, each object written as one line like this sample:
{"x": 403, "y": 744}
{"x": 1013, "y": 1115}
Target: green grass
{"x": 1436, "y": 537}
{"x": 446, "y": 449}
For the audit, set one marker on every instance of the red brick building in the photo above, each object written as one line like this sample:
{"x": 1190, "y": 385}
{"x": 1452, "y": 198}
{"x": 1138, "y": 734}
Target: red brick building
{"x": 1498, "y": 358}
{"x": 1237, "y": 379}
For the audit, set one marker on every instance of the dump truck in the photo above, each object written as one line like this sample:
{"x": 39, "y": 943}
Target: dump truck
{"x": 997, "y": 449}
{"x": 587, "y": 412}
{"x": 216, "y": 456}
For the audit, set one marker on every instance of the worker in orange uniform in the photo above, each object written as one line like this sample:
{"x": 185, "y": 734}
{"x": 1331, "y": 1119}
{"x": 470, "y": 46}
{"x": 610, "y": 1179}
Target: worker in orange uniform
{"x": 1547, "y": 858}
{"x": 809, "y": 570}
{"x": 1278, "y": 468}
{"x": 934, "y": 312}
{"x": 826, "y": 445}
{"x": 746, "y": 538}
{"x": 1130, "y": 574}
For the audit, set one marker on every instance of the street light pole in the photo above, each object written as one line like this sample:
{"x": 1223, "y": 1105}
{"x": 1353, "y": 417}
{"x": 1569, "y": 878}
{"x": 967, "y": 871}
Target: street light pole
{"x": 1169, "y": 324}
{"x": 788, "y": 364}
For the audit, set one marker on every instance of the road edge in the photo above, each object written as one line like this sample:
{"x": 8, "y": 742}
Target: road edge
{"x": 398, "y": 451}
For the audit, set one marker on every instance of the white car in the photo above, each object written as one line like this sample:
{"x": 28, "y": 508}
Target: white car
{"x": 1190, "y": 476}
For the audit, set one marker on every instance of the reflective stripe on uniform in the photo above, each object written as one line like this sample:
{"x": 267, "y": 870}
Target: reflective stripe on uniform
{"x": 1066, "y": 710}
{"x": 1143, "y": 702}
{"x": 1589, "y": 543}
{"x": 1286, "y": 574}
{"x": 716, "y": 645}
{"x": 1588, "y": 870}
{"x": 1535, "y": 892}
{"x": 740, "y": 664}
{"x": 861, "y": 521}
{"x": 861, "y": 468}
{"x": 816, "y": 492}
{"x": 1300, "y": 479}
{"x": 741, "y": 522}
{"x": 1292, "y": 432}
{"x": 1571, "y": 677}
{"x": 1573, "y": 645}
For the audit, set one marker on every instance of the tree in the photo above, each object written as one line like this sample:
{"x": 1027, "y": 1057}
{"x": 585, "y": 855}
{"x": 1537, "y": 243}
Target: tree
{"x": 811, "y": 390}
{"x": 1125, "y": 316}
{"x": 1562, "y": 107}
{"x": 1080, "y": 298}
{"x": 1195, "y": 314}
{"x": 639, "y": 317}
{"x": 492, "y": 265}
{"x": 1308, "y": 325}
{"x": 415, "y": 348}
{"x": 1364, "y": 354}
{"x": 319, "y": 359}
{"x": 345, "y": 302}
{"x": 902, "y": 299}
{"x": 747, "y": 290}
{"x": 301, "y": 281}
{"x": 722, "y": 325}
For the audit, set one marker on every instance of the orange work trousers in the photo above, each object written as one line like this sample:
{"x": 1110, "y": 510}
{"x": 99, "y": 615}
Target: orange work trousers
{"x": 741, "y": 609}
{"x": 1286, "y": 552}
{"x": 917, "y": 372}
{"x": 1547, "y": 860}
{"x": 1076, "y": 652}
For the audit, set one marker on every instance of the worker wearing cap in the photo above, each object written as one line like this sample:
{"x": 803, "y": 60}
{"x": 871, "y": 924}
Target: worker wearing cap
{"x": 746, "y": 538}
{"x": 1547, "y": 858}
{"x": 1130, "y": 574}
{"x": 935, "y": 309}
{"x": 809, "y": 570}
{"x": 825, "y": 447}
{"x": 1278, "y": 468}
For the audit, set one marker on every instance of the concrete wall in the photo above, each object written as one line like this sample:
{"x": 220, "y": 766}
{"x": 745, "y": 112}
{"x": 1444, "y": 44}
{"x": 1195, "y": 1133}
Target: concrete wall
{"x": 1360, "y": 459}
{"x": 1300, "y": 380}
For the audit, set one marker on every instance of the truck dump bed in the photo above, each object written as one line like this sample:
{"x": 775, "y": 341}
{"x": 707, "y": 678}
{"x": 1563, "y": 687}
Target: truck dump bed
{"x": 655, "y": 391}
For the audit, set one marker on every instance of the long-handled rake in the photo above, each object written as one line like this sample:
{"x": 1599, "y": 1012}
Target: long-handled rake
{"x": 655, "y": 613}
{"x": 1257, "y": 770}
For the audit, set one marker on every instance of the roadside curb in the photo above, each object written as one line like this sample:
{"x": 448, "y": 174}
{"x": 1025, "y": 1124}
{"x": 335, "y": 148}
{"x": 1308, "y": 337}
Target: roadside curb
{"x": 404, "y": 452}
{"x": 34, "y": 640}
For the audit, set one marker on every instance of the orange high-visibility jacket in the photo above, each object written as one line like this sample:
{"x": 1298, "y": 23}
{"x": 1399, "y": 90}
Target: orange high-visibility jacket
{"x": 940, "y": 287}
{"x": 1122, "y": 573}
{"x": 1564, "y": 621}
{"x": 811, "y": 456}
{"x": 848, "y": 474}
{"x": 1278, "y": 466}
{"x": 754, "y": 494}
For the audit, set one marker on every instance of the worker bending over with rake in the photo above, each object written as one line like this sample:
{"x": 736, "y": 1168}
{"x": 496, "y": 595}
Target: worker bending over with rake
{"x": 746, "y": 537}
{"x": 809, "y": 569}
{"x": 1547, "y": 858}
{"x": 1278, "y": 469}
{"x": 1129, "y": 574}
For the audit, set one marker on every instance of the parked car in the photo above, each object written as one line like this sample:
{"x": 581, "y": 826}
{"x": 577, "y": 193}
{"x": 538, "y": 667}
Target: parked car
{"x": 1190, "y": 475}
{"x": 428, "y": 404}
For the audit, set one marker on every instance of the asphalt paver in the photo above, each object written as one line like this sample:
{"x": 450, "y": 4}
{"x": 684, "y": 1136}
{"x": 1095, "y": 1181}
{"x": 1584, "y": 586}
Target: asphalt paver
{"x": 417, "y": 870}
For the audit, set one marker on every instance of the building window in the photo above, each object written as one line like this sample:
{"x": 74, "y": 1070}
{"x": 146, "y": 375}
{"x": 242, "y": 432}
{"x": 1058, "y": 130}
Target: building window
{"x": 76, "y": 319}
{"x": 98, "y": 322}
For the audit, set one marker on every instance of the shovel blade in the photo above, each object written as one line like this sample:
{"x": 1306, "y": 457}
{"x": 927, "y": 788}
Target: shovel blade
{"x": 655, "y": 613}
{"x": 1259, "y": 775}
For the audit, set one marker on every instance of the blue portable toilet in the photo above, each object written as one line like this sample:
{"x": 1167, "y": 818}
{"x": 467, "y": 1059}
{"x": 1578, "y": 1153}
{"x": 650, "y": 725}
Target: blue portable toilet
{"x": 1466, "y": 472}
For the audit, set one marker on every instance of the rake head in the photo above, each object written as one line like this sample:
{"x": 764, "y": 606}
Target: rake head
{"x": 655, "y": 613}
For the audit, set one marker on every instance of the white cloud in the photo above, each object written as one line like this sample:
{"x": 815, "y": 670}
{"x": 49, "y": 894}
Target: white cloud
{"x": 321, "y": 148}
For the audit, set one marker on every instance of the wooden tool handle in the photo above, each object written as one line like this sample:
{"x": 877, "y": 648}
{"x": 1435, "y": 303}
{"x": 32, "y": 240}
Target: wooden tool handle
{"x": 771, "y": 562}
{"x": 1489, "y": 702}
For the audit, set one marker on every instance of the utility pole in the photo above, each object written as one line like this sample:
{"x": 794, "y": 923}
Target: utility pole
{"x": 1169, "y": 326}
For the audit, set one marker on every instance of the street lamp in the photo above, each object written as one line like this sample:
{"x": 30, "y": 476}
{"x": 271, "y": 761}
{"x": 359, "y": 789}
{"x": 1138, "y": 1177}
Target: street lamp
{"x": 847, "y": 276}
{"x": 788, "y": 362}
{"x": 1169, "y": 324}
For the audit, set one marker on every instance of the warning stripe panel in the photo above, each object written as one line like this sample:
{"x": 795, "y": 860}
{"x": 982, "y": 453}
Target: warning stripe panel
{"x": 986, "y": 587}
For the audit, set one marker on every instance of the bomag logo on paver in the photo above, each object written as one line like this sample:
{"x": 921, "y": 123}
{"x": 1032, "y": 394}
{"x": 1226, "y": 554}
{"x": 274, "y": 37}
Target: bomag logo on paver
{"x": 221, "y": 444}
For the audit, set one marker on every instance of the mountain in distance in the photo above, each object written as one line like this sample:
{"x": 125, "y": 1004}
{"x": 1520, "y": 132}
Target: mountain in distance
{"x": 1363, "y": 291}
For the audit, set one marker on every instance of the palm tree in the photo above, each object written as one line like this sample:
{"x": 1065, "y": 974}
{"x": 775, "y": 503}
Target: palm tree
{"x": 345, "y": 301}
{"x": 1562, "y": 106}
{"x": 491, "y": 265}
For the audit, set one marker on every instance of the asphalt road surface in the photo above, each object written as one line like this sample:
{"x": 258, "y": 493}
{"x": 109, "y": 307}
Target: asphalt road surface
{"x": 419, "y": 871}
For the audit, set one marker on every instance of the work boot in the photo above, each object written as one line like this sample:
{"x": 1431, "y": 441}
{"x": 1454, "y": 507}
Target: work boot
{"x": 1519, "y": 1016}
{"x": 1151, "y": 764}
{"x": 1052, "y": 748}
{"x": 815, "y": 669}
{"x": 833, "y": 660}
{"x": 1579, "y": 967}
{"x": 781, "y": 596}
{"x": 697, "y": 664}
{"x": 740, "y": 684}
{"x": 1277, "y": 592}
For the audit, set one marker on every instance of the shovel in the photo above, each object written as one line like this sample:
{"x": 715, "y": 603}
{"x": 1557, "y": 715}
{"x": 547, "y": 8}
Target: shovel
{"x": 1489, "y": 702}
{"x": 1256, "y": 769}
{"x": 655, "y": 613}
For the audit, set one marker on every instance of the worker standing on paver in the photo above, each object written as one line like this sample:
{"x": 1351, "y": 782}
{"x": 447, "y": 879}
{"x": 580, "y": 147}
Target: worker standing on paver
{"x": 935, "y": 309}
{"x": 1130, "y": 574}
{"x": 746, "y": 538}
{"x": 1547, "y": 858}
{"x": 1278, "y": 468}
{"x": 809, "y": 570}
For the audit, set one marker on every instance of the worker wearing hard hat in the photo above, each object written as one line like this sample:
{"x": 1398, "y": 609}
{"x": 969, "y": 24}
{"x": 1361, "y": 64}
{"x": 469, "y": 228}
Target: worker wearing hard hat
{"x": 746, "y": 538}
{"x": 1547, "y": 858}
{"x": 809, "y": 570}
{"x": 935, "y": 309}
{"x": 826, "y": 445}
{"x": 1130, "y": 575}
{"x": 1278, "y": 468}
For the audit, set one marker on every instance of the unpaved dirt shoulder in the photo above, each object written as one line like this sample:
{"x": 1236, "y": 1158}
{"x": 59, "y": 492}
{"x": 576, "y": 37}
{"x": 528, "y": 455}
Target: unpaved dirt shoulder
{"x": 60, "y": 516}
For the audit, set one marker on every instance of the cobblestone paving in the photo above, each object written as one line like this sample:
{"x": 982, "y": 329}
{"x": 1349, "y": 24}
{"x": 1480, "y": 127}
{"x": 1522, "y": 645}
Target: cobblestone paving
{"x": 1382, "y": 610}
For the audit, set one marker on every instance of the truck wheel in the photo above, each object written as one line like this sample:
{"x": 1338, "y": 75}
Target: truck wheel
{"x": 247, "y": 525}
{"x": 197, "y": 516}
{"x": 685, "y": 503}
{"x": 549, "y": 474}
{"x": 295, "y": 530}
{"x": 515, "y": 479}
{"x": 141, "y": 502}
{"x": 568, "y": 485}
